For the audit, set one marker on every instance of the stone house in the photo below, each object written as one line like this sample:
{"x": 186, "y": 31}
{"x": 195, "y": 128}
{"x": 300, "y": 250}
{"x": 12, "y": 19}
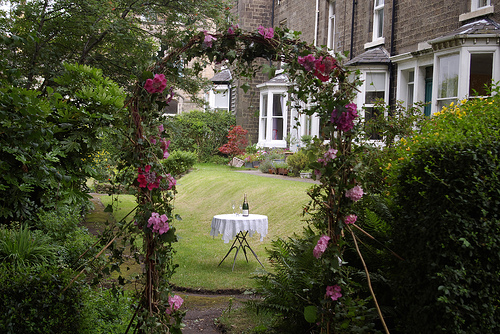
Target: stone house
{"x": 406, "y": 50}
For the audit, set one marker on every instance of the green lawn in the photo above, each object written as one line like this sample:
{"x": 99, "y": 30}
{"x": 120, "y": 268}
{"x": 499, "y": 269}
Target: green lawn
{"x": 208, "y": 190}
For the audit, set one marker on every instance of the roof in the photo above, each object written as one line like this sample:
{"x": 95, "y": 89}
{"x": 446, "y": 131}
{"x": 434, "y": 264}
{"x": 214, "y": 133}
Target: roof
{"x": 279, "y": 80}
{"x": 222, "y": 76}
{"x": 484, "y": 26}
{"x": 378, "y": 55}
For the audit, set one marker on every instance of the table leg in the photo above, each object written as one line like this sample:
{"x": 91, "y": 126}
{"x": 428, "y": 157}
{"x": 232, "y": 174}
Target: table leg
{"x": 242, "y": 240}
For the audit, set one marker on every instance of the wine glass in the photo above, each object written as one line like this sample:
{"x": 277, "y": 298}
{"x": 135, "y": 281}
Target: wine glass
{"x": 241, "y": 209}
{"x": 233, "y": 205}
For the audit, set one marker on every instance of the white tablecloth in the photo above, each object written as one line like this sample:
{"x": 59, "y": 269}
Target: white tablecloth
{"x": 230, "y": 225}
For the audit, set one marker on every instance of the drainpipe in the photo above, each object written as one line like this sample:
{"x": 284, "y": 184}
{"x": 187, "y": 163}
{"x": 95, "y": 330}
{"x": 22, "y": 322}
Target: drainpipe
{"x": 352, "y": 29}
{"x": 393, "y": 50}
{"x": 316, "y": 19}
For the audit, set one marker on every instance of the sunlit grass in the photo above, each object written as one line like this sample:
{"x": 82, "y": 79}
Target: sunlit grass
{"x": 207, "y": 191}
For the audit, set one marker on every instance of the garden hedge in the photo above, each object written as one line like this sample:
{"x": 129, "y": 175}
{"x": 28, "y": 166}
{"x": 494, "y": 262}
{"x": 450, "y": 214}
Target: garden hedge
{"x": 33, "y": 301}
{"x": 447, "y": 228}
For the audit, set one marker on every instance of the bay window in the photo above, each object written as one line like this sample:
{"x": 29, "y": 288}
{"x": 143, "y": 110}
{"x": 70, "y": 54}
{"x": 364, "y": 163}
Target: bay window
{"x": 273, "y": 116}
{"x": 448, "y": 67}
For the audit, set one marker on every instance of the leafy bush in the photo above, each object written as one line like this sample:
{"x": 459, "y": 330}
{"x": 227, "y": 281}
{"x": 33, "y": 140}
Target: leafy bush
{"x": 106, "y": 312}
{"x": 298, "y": 161}
{"x": 179, "y": 162}
{"x": 32, "y": 300}
{"x": 23, "y": 248}
{"x": 62, "y": 226}
{"x": 202, "y": 132}
{"x": 295, "y": 289}
{"x": 447, "y": 229}
{"x": 237, "y": 142}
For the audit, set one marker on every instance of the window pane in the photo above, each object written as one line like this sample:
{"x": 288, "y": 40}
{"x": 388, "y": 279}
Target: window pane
{"x": 277, "y": 107}
{"x": 380, "y": 22}
{"x": 375, "y": 81}
{"x": 277, "y": 128}
{"x": 370, "y": 113}
{"x": 481, "y": 67}
{"x": 264, "y": 105}
{"x": 448, "y": 76}
{"x": 221, "y": 99}
{"x": 379, "y": 3}
{"x": 372, "y": 97}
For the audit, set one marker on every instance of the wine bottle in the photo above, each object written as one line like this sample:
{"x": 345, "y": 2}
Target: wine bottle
{"x": 244, "y": 207}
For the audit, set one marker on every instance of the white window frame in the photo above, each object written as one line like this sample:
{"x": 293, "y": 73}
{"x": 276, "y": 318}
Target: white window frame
{"x": 331, "y": 25}
{"x": 448, "y": 99}
{"x": 476, "y": 4}
{"x": 219, "y": 93}
{"x": 266, "y": 136}
{"x": 465, "y": 52}
{"x": 378, "y": 25}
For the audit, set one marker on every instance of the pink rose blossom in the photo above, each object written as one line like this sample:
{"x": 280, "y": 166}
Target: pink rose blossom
{"x": 321, "y": 246}
{"x": 156, "y": 85}
{"x": 355, "y": 193}
{"x": 350, "y": 219}
{"x": 175, "y": 303}
{"x": 208, "y": 41}
{"x": 158, "y": 224}
{"x": 171, "y": 181}
{"x": 333, "y": 292}
{"x": 308, "y": 62}
{"x": 268, "y": 33}
{"x": 345, "y": 120}
{"x": 164, "y": 144}
{"x": 161, "y": 128}
{"x": 148, "y": 178}
{"x": 232, "y": 29}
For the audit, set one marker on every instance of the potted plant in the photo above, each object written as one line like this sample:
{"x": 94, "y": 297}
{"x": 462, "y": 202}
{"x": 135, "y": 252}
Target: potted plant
{"x": 266, "y": 166}
{"x": 282, "y": 168}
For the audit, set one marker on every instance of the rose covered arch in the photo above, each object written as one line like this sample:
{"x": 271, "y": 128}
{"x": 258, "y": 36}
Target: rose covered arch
{"x": 320, "y": 83}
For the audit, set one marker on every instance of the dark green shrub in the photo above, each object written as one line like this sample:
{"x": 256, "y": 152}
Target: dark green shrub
{"x": 447, "y": 228}
{"x": 107, "y": 312}
{"x": 298, "y": 161}
{"x": 179, "y": 162}
{"x": 202, "y": 132}
{"x": 298, "y": 282}
{"x": 32, "y": 300}
{"x": 62, "y": 226}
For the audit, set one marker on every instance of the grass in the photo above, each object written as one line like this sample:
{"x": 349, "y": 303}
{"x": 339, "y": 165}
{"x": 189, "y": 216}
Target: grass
{"x": 209, "y": 190}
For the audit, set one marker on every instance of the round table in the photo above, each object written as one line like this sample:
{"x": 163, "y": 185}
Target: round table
{"x": 238, "y": 227}
{"x": 229, "y": 225}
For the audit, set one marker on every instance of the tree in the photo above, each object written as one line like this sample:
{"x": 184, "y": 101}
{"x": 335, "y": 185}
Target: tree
{"x": 121, "y": 37}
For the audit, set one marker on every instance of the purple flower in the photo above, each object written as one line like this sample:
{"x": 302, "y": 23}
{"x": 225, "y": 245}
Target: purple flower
{"x": 308, "y": 62}
{"x": 350, "y": 219}
{"x": 333, "y": 292}
{"x": 156, "y": 85}
{"x": 268, "y": 33}
{"x": 175, "y": 303}
{"x": 232, "y": 29}
{"x": 345, "y": 120}
{"x": 158, "y": 224}
{"x": 355, "y": 193}
{"x": 321, "y": 246}
{"x": 161, "y": 128}
{"x": 208, "y": 41}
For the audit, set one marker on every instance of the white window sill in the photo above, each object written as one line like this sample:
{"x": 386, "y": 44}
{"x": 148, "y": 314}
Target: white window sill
{"x": 377, "y": 42}
{"x": 477, "y": 13}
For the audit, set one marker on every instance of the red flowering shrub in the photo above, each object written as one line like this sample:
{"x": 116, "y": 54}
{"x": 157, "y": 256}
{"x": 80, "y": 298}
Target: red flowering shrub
{"x": 237, "y": 141}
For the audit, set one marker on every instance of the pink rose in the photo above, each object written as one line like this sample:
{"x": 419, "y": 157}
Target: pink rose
{"x": 156, "y": 85}
{"x": 333, "y": 292}
{"x": 350, "y": 219}
{"x": 321, "y": 246}
{"x": 175, "y": 303}
{"x": 355, "y": 193}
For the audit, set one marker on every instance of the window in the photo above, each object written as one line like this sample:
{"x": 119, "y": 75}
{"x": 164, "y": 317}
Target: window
{"x": 478, "y": 4}
{"x": 273, "y": 118}
{"x": 378, "y": 20}
{"x": 263, "y": 117}
{"x": 218, "y": 97}
{"x": 448, "y": 80}
{"x": 375, "y": 87}
{"x": 331, "y": 25}
{"x": 481, "y": 73}
{"x": 277, "y": 117}
{"x": 410, "y": 88}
